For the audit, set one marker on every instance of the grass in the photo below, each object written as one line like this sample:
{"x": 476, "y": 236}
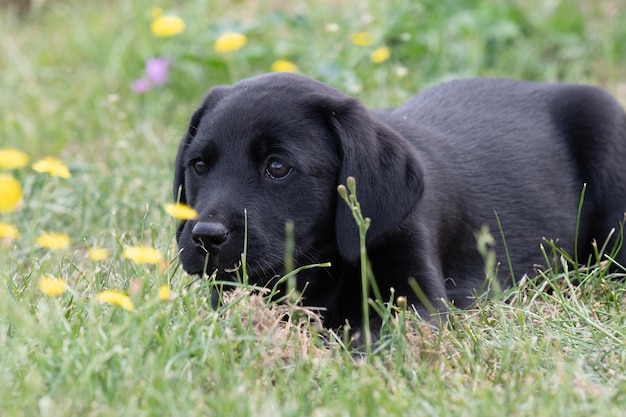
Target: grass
{"x": 65, "y": 75}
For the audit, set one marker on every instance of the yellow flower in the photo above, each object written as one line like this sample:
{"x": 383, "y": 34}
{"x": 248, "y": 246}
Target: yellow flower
{"x": 115, "y": 297}
{"x": 10, "y": 193}
{"x": 380, "y": 55}
{"x": 362, "y": 39}
{"x": 53, "y": 241}
{"x": 142, "y": 254}
{"x": 284, "y": 66}
{"x": 164, "y": 292}
{"x": 52, "y": 287}
{"x": 230, "y": 42}
{"x": 12, "y": 159}
{"x": 8, "y": 231}
{"x": 52, "y": 166}
{"x": 165, "y": 26}
{"x": 97, "y": 254}
{"x": 181, "y": 211}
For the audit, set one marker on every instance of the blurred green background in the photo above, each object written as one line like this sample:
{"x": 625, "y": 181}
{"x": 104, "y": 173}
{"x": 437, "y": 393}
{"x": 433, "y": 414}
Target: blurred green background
{"x": 66, "y": 73}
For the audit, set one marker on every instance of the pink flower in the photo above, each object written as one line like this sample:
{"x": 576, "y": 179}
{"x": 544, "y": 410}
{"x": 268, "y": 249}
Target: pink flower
{"x": 140, "y": 86}
{"x": 156, "y": 70}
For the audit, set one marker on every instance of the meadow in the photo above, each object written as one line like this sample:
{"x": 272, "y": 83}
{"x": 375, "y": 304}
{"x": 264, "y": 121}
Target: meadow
{"x": 97, "y": 317}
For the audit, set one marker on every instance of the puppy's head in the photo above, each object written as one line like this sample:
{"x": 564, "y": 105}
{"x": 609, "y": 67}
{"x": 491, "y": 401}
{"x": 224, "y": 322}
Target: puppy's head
{"x": 274, "y": 148}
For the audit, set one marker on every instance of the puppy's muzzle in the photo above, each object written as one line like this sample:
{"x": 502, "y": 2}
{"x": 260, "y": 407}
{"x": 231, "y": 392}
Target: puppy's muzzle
{"x": 209, "y": 236}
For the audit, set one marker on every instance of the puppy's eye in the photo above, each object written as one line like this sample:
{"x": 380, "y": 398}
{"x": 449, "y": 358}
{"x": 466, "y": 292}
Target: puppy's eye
{"x": 277, "y": 169}
{"x": 199, "y": 166}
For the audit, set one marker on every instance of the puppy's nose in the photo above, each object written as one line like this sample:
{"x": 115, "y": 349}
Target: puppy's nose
{"x": 210, "y": 235}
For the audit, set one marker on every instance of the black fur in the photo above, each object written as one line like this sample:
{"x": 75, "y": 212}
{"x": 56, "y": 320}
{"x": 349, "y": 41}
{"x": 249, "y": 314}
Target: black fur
{"x": 429, "y": 174}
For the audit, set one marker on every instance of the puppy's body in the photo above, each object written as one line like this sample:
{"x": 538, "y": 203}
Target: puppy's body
{"x": 429, "y": 174}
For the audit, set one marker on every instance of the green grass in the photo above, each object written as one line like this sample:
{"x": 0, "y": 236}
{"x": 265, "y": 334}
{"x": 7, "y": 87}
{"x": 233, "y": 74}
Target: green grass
{"x": 65, "y": 75}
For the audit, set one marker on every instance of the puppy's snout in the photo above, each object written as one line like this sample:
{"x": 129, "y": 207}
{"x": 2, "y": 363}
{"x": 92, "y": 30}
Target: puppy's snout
{"x": 209, "y": 235}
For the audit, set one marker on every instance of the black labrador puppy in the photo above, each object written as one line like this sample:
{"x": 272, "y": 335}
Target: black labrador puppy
{"x": 507, "y": 154}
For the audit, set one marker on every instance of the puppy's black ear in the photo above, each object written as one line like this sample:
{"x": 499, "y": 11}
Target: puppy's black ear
{"x": 389, "y": 178}
{"x": 179, "y": 169}
{"x": 216, "y": 94}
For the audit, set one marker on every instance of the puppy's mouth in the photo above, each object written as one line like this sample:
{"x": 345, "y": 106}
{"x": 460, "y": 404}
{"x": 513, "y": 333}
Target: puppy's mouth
{"x": 226, "y": 268}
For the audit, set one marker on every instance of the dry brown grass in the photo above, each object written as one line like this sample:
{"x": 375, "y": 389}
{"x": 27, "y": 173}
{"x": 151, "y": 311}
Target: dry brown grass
{"x": 287, "y": 332}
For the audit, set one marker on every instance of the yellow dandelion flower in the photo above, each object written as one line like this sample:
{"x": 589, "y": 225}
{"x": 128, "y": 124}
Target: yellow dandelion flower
{"x": 142, "y": 254}
{"x": 54, "y": 241}
{"x": 164, "y": 292}
{"x": 8, "y": 231}
{"x": 380, "y": 55}
{"x": 284, "y": 66}
{"x": 230, "y": 42}
{"x": 52, "y": 287}
{"x": 165, "y": 26}
{"x": 156, "y": 12}
{"x": 52, "y": 166}
{"x": 115, "y": 297}
{"x": 10, "y": 193}
{"x": 181, "y": 211}
{"x": 97, "y": 254}
{"x": 12, "y": 158}
{"x": 362, "y": 39}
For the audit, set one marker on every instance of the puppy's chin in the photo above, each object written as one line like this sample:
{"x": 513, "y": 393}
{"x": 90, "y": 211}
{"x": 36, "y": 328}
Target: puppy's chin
{"x": 259, "y": 275}
{"x": 192, "y": 263}
{"x": 195, "y": 263}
